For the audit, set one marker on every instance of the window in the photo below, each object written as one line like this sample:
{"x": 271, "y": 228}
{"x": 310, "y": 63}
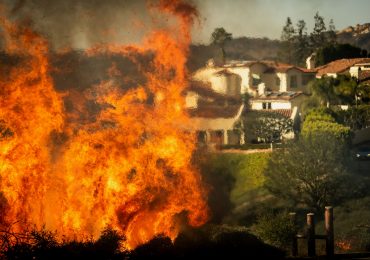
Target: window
{"x": 293, "y": 81}
{"x": 307, "y": 78}
{"x": 266, "y": 105}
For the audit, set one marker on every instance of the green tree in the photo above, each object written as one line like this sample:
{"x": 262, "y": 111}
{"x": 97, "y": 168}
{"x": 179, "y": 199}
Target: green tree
{"x": 348, "y": 89}
{"x": 311, "y": 172}
{"x": 287, "y": 37}
{"x": 301, "y": 43}
{"x": 219, "y": 37}
{"x": 333, "y": 52}
{"x": 275, "y": 229}
{"x": 355, "y": 117}
{"x": 265, "y": 126}
{"x": 323, "y": 90}
{"x": 318, "y": 38}
{"x": 331, "y": 34}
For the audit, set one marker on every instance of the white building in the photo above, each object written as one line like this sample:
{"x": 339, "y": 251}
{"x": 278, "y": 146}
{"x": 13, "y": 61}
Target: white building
{"x": 214, "y": 115}
{"x": 246, "y": 76}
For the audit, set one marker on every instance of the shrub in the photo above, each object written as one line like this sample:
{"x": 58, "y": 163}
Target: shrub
{"x": 319, "y": 122}
{"x": 275, "y": 229}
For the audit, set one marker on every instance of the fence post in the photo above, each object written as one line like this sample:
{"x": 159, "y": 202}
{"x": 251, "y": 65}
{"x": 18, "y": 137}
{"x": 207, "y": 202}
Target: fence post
{"x": 329, "y": 229}
{"x": 311, "y": 244}
{"x": 293, "y": 220}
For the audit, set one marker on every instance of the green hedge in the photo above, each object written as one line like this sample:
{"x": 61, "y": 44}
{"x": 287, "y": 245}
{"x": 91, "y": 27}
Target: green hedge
{"x": 251, "y": 146}
{"x": 247, "y": 170}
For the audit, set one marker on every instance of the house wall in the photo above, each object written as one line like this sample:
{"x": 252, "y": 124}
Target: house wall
{"x": 202, "y": 124}
{"x": 298, "y": 74}
{"x": 283, "y": 81}
{"x": 233, "y": 83}
{"x": 270, "y": 81}
{"x": 257, "y": 105}
{"x": 243, "y": 73}
{"x": 191, "y": 99}
{"x": 227, "y": 84}
{"x": 219, "y": 83}
{"x": 281, "y": 105}
{"x": 257, "y": 69}
{"x": 204, "y": 74}
{"x": 213, "y": 123}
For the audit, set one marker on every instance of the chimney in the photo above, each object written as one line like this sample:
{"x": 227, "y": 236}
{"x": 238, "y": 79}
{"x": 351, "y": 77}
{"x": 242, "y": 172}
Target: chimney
{"x": 310, "y": 61}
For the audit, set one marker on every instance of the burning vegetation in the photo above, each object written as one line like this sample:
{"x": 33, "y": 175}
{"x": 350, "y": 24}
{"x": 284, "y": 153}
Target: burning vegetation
{"x": 127, "y": 167}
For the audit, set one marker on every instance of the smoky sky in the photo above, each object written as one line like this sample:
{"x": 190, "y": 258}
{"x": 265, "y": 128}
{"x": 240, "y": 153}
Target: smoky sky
{"x": 82, "y": 23}
{"x": 265, "y": 18}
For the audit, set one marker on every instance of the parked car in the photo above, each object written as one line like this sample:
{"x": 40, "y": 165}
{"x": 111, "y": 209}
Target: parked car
{"x": 363, "y": 153}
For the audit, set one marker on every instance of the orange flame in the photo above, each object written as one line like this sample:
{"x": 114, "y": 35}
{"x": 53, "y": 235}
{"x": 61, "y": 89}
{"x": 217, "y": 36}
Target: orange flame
{"x": 130, "y": 169}
{"x": 344, "y": 245}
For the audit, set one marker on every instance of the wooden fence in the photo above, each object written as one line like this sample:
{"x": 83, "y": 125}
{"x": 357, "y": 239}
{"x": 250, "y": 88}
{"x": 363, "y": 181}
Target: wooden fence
{"x": 311, "y": 236}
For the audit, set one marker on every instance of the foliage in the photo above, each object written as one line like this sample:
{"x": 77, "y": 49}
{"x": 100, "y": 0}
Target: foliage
{"x": 251, "y": 146}
{"x": 340, "y": 90}
{"x": 209, "y": 242}
{"x": 225, "y": 242}
{"x": 319, "y": 122}
{"x": 217, "y": 173}
{"x": 318, "y": 38}
{"x": 287, "y": 38}
{"x": 312, "y": 171}
{"x": 323, "y": 90}
{"x": 232, "y": 176}
{"x": 333, "y": 52}
{"x": 331, "y": 34}
{"x": 355, "y": 118}
{"x": 265, "y": 126}
{"x": 219, "y": 37}
{"x": 275, "y": 229}
{"x": 248, "y": 171}
{"x": 301, "y": 44}
{"x": 352, "y": 225}
{"x": 41, "y": 244}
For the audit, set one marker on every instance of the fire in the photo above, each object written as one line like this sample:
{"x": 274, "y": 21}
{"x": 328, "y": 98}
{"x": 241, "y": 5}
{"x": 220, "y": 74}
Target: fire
{"x": 344, "y": 245}
{"x": 130, "y": 169}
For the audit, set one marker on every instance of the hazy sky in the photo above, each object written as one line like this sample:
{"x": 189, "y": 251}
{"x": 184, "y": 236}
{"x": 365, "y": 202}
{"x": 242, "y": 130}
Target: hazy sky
{"x": 82, "y": 23}
{"x": 265, "y": 18}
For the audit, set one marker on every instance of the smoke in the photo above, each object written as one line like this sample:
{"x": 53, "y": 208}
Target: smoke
{"x": 81, "y": 24}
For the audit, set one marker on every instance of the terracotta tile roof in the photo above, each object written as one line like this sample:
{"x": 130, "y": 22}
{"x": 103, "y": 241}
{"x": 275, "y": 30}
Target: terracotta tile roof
{"x": 339, "y": 66}
{"x": 205, "y": 90}
{"x": 212, "y": 104}
{"x": 272, "y": 66}
{"x": 224, "y": 72}
{"x": 276, "y": 96}
{"x": 214, "y": 111}
{"x": 284, "y": 112}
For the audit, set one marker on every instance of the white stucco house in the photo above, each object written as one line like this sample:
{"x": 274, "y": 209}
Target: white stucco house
{"x": 354, "y": 67}
{"x": 213, "y": 115}
{"x": 272, "y": 86}
{"x": 240, "y": 77}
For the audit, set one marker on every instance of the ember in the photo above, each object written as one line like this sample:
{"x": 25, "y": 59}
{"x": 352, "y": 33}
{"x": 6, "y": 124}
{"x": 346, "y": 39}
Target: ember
{"x": 129, "y": 169}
